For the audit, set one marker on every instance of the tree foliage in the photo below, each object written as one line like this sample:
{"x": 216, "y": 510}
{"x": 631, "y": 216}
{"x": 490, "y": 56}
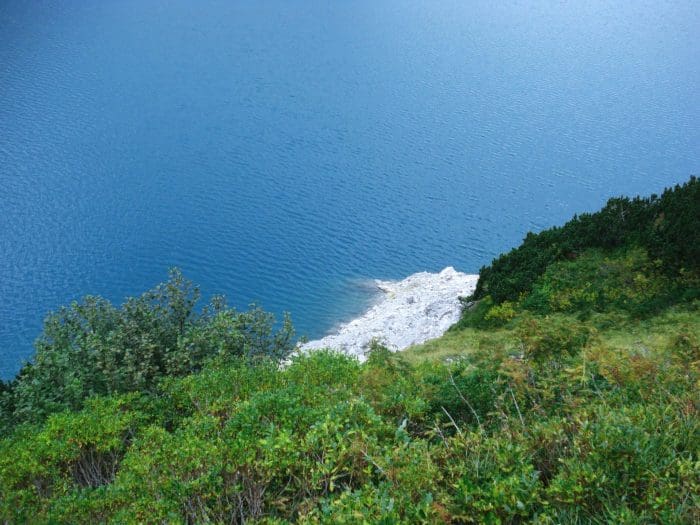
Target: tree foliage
{"x": 93, "y": 348}
{"x": 667, "y": 226}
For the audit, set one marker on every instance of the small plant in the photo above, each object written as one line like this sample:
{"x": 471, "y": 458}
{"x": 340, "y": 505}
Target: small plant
{"x": 550, "y": 339}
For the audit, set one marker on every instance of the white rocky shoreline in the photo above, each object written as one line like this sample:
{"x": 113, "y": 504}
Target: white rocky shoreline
{"x": 411, "y": 311}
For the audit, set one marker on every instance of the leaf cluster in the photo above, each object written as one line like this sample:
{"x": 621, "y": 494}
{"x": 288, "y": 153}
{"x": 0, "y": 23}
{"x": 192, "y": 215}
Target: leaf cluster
{"x": 92, "y": 348}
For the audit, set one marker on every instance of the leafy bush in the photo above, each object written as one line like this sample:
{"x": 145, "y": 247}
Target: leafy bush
{"x": 388, "y": 384}
{"x": 686, "y": 347}
{"x": 93, "y": 348}
{"x": 550, "y": 339}
{"x": 466, "y": 392}
{"x": 494, "y": 480}
{"x": 643, "y": 456}
{"x": 625, "y": 281}
{"x": 475, "y": 315}
{"x": 71, "y": 455}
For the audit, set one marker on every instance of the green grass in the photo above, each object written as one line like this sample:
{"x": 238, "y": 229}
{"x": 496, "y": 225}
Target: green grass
{"x": 615, "y": 330}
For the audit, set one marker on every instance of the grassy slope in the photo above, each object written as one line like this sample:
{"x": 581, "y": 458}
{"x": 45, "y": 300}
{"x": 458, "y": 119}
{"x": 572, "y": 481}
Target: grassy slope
{"x": 621, "y": 295}
{"x": 626, "y": 334}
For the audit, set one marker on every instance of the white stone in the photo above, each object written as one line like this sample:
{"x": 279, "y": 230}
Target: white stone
{"x": 419, "y": 308}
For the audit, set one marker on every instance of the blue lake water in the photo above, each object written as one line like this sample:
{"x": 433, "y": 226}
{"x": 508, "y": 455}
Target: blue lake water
{"x": 283, "y": 151}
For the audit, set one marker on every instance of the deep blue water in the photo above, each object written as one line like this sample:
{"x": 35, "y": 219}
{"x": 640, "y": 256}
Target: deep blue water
{"x": 282, "y": 151}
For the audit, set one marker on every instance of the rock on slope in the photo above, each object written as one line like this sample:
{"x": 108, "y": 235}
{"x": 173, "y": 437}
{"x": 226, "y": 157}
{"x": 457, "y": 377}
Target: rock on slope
{"x": 421, "y": 307}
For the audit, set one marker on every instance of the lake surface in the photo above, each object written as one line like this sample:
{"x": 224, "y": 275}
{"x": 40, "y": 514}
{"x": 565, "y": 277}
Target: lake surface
{"x": 284, "y": 152}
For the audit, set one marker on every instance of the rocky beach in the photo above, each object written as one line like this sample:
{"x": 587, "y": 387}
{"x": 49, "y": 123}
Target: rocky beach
{"x": 411, "y": 311}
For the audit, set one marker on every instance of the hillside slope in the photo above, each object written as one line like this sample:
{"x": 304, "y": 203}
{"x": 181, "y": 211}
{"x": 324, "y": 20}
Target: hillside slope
{"x": 567, "y": 393}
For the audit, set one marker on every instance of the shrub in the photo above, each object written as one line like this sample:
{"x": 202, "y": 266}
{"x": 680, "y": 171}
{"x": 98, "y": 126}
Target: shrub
{"x": 637, "y": 460}
{"x": 685, "y": 346}
{"x": 466, "y": 392}
{"x": 93, "y": 348}
{"x": 388, "y": 382}
{"x": 494, "y": 480}
{"x": 474, "y": 316}
{"x": 76, "y": 453}
{"x": 501, "y": 314}
{"x": 548, "y": 339}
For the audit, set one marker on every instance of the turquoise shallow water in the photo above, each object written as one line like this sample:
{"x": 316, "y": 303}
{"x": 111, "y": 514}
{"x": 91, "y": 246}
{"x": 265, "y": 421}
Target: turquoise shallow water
{"x": 283, "y": 151}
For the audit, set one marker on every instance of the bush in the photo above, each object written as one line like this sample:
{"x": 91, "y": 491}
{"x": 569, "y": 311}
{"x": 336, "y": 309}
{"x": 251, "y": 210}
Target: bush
{"x": 71, "y": 455}
{"x": 638, "y": 460}
{"x": 685, "y": 346}
{"x": 466, "y": 392}
{"x": 474, "y": 316}
{"x": 494, "y": 480}
{"x": 625, "y": 280}
{"x": 326, "y": 439}
{"x": 388, "y": 383}
{"x": 550, "y": 339}
{"x": 93, "y": 348}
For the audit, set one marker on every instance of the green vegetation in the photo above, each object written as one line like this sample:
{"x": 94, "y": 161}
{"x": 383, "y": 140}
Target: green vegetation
{"x": 665, "y": 226}
{"x": 92, "y": 348}
{"x": 570, "y": 396}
